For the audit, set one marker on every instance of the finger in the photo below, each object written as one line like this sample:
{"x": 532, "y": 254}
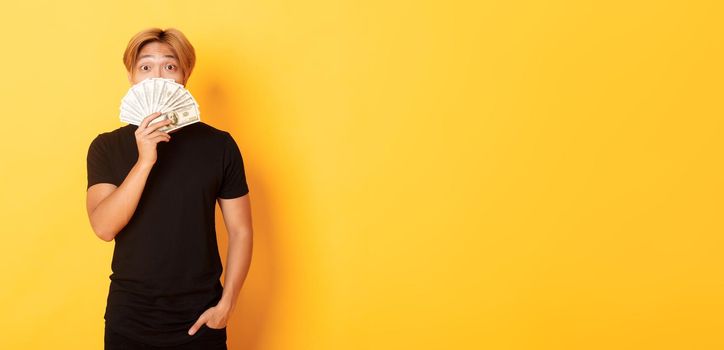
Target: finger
{"x": 145, "y": 121}
{"x": 158, "y": 139}
{"x": 157, "y": 133}
{"x": 155, "y": 126}
{"x": 197, "y": 325}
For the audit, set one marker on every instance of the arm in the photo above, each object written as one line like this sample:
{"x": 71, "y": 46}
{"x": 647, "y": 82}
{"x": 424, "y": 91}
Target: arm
{"x": 110, "y": 207}
{"x": 237, "y": 218}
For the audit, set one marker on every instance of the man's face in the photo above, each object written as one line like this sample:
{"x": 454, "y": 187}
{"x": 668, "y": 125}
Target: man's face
{"x": 156, "y": 60}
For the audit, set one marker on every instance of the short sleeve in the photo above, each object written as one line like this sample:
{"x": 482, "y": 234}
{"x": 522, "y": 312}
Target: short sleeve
{"x": 98, "y": 164}
{"x": 233, "y": 184}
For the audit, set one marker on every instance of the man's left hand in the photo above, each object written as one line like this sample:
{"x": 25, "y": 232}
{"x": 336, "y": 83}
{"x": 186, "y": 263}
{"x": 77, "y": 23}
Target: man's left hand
{"x": 214, "y": 317}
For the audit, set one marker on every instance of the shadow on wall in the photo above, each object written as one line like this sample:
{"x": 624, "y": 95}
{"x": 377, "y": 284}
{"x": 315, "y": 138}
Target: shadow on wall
{"x": 222, "y": 103}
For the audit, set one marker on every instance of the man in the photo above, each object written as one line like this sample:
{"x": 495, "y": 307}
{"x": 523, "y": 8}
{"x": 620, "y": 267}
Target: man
{"x": 154, "y": 193}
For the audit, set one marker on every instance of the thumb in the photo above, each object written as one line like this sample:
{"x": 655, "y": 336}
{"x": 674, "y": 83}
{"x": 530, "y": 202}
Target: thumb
{"x": 197, "y": 325}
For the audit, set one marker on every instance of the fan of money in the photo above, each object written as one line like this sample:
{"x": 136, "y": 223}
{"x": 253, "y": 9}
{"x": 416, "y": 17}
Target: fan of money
{"x": 160, "y": 95}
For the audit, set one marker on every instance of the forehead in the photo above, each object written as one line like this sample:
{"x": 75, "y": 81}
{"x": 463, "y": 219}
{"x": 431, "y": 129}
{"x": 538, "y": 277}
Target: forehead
{"x": 156, "y": 50}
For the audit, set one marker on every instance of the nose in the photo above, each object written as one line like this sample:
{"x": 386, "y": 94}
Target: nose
{"x": 156, "y": 72}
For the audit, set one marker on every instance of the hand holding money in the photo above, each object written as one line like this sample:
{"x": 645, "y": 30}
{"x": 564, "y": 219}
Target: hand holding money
{"x": 148, "y": 136}
{"x": 173, "y": 102}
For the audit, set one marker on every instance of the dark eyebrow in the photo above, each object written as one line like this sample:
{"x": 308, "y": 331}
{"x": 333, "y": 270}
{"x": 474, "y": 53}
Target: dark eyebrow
{"x": 144, "y": 56}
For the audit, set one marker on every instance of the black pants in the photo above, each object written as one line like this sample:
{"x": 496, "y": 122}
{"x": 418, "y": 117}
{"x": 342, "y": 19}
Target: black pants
{"x": 211, "y": 339}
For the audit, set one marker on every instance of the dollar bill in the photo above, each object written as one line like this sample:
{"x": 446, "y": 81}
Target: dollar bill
{"x": 179, "y": 118}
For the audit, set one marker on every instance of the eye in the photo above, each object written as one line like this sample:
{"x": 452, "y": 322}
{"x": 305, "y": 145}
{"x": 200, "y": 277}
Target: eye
{"x": 170, "y": 66}
{"x": 144, "y": 67}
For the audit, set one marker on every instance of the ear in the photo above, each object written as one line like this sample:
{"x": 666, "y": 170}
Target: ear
{"x": 129, "y": 78}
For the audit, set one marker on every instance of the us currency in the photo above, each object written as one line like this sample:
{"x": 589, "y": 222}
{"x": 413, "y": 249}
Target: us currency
{"x": 179, "y": 118}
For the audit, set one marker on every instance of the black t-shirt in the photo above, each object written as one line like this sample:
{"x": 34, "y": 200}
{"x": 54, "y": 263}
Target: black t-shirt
{"x": 166, "y": 264}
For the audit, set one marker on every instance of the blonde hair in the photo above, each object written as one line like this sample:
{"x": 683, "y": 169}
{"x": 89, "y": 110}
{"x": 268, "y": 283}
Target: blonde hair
{"x": 171, "y": 36}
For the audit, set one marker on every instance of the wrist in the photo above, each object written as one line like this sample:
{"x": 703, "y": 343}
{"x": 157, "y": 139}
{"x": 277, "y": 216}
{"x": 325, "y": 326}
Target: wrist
{"x": 144, "y": 165}
{"x": 224, "y": 305}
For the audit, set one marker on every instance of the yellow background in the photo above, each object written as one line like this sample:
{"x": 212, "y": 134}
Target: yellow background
{"x": 423, "y": 174}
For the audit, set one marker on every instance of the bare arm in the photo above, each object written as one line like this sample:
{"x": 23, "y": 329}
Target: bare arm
{"x": 237, "y": 217}
{"x": 110, "y": 207}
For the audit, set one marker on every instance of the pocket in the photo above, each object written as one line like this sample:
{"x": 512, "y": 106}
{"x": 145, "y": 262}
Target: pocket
{"x": 215, "y": 329}
{"x": 214, "y": 335}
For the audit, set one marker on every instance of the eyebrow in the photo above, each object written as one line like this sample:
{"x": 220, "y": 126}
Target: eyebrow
{"x": 144, "y": 56}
